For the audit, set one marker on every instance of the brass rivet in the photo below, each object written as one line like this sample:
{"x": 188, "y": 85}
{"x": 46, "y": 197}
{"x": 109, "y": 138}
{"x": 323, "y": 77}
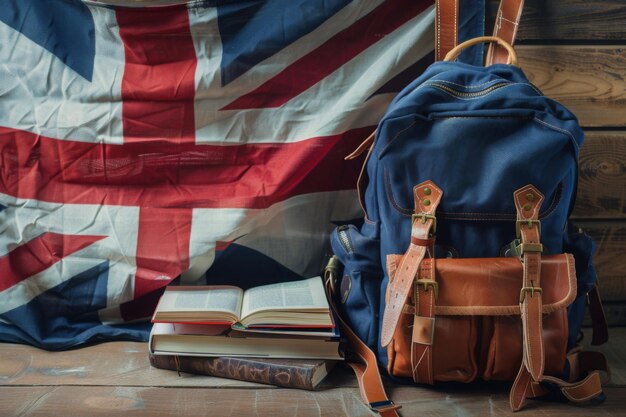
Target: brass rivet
{"x": 530, "y": 196}
{"x": 426, "y": 202}
{"x": 426, "y": 191}
{"x": 527, "y": 207}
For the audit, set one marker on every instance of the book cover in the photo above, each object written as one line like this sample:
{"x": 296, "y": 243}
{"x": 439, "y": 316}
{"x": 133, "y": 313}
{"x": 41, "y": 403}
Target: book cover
{"x": 289, "y": 373}
{"x": 206, "y": 341}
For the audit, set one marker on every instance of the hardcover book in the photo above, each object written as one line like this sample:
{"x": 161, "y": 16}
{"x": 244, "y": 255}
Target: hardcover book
{"x": 290, "y": 373}
{"x": 289, "y": 305}
{"x": 203, "y": 340}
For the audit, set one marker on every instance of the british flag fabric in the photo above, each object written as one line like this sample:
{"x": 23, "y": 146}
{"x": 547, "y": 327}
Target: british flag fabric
{"x": 201, "y": 142}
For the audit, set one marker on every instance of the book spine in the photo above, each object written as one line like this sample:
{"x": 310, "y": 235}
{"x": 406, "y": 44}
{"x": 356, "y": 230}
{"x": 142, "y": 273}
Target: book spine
{"x": 242, "y": 369}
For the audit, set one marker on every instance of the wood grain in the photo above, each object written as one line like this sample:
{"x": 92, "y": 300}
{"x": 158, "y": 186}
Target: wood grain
{"x": 568, "y": 20}
{"x": 109, "y": 364}
{"x": 111, "y": 379}
{"x": 589, "y": 80}
{"x": 602, "y": 177}
{"x": 155, "y": 401}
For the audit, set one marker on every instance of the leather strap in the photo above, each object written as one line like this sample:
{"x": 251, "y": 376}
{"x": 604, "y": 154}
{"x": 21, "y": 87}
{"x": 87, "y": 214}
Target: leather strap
{"x": 576, "y": 390}
{"x": 528, "y": 203}
{"x": 367, "y": 373}
{"x": 427, "y": 197}
{"x": 505, "y": 27}
{"x": 446, "y": 27}
{"x": 599, "y": 325}
{"x": 424, "y": 323}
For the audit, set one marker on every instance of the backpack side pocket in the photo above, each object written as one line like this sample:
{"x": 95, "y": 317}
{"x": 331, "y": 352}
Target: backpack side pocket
{"x": 359, "y": 291}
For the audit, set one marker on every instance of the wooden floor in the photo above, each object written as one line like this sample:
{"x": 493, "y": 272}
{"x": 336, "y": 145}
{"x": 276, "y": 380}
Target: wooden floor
{"x": 116, "y": 379}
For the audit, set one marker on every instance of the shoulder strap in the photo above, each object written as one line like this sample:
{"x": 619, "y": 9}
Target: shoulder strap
{"x": 446, "y": 27}
{"x": 366, "y": 369}
{"x": 505, "y": 27}
{"x": 447, "y": 24}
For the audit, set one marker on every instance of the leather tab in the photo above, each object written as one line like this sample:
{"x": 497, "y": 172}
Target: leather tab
{"x": 446, "y": 27}
{"x": 427, "y": 197}
{"x": 505, "y": 27}
{"x": 423, "y": 330}
{"x": 528, "y": 202}
{"x": 521, "y": 386}
{"x": 581, "y": 391}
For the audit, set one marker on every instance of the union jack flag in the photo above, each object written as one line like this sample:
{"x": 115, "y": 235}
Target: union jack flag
{"x": 201, "y": 141}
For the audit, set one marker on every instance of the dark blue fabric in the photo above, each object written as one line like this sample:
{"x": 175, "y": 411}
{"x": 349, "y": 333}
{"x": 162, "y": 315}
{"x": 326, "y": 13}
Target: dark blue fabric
{"x": 255, "y": 30}
{"x": 45, "y": 323}
{"x": 471, "y": 25}
{"x": 258, "y": 269}
{"x": 479, "y": 134}
{"x": 63, "y": 27}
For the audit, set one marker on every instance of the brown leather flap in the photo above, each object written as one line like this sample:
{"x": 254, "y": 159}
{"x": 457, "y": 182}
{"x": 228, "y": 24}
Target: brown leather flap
{"x": 491, "y": 286}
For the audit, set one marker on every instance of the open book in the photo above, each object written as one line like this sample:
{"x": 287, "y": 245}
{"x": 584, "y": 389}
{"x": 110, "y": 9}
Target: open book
{"x": 297, "y": 304}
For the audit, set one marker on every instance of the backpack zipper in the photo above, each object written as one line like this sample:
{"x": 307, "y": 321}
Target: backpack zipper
{"x": 344, "y": 239}
{"x": 465, "y": 94}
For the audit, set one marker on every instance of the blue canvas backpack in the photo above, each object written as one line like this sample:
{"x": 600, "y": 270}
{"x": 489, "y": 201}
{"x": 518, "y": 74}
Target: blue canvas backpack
{"x": 468, "y": 140}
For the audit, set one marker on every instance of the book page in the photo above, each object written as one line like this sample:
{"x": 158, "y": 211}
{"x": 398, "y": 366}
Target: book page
{"x": 305, "y": 294}
{"x": 205, "y": 298}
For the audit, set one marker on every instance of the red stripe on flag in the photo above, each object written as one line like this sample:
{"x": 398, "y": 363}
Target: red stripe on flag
{"x": 158, "y": 87}
{"x": 330, "y": 56}
{"x": 157, "y": 174}
{"x": 39, "y": 254}
{"x": 162, "y": 247}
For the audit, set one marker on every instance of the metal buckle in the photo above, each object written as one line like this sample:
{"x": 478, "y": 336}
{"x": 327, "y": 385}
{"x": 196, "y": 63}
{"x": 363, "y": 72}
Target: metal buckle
{"x": 528, "y": 223}
{"x": 331, "y": 272}
{"x": 423, "y": 217}
{"x": 518, "y": 248}
{"x": 380, "y": 406}
{"x": 429, "y": 283}
{"x": 524, "y": 290}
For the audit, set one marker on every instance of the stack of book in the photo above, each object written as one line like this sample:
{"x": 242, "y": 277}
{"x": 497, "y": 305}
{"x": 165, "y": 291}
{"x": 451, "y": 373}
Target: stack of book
{"x": 282, "y": 334}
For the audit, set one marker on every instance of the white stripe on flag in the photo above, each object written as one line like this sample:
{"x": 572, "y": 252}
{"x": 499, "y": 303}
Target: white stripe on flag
{"x": 25, "y": 220}
{"x": 336, "y": 104}
{"x": 294, "y": 232}
{"x": 42, "y": 95}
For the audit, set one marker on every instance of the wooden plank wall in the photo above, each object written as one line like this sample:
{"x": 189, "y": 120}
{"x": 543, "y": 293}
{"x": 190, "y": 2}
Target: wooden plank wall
{"x": 575, "y": 52}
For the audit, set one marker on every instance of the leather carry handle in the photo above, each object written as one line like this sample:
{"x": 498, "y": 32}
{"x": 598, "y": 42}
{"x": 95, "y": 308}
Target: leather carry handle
{"x": 447, "y": 23}
{"x": 456, "y": 51}
{"x": 505, "y": 27}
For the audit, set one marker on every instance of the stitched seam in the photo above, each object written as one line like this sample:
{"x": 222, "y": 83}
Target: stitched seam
{"x": 469, "y": 86}
{"x": 558, "y": 129}
{"x": 395, "y": 137}
{"x": 438, "y": 29}
{"x": 432, "y": 302}
{"x": 542, "y": 355}
{"x": 456, "y": 36}
{"x": 415, "y": 373}
{"x": 527, "y": 333}
{"x": 572, "y": 398}
{"x": 416, "y": 365}
{"x": 481, "y": 96}
{"x": 556, "y": 199}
